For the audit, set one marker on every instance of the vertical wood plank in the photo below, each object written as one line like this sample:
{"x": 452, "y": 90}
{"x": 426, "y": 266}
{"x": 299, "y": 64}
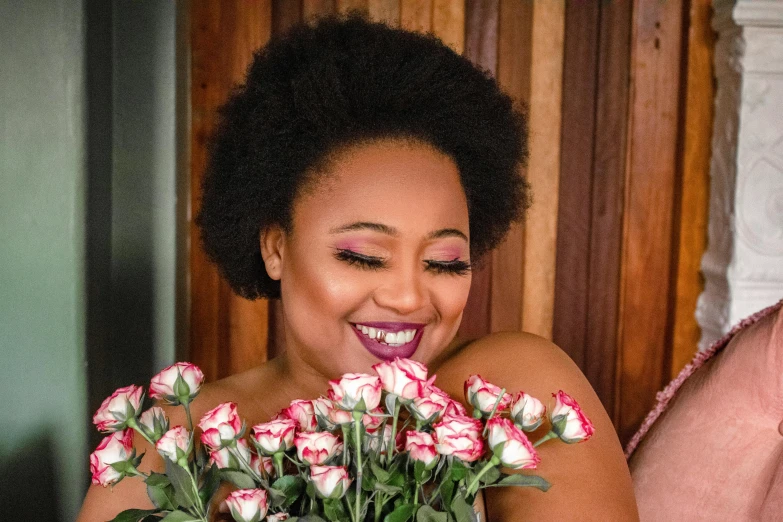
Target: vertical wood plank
{"x": 695, "y": 179}
{"x": 416, "y": 15}
{"x": 448, "y": 22}
{"x": 580, "y": 70}
{"x": 649, "y": 193}
{"x": 609, "y": 165}
{"x": 514, "y": 56}
{"x": 387, "y": 11}
{"x": 344, "y": 6}
{"x": 544, "y": 167}
{"x": 315, "y": 8}
{"x": 223, "y": 38}
{"x": 285, "y": 13}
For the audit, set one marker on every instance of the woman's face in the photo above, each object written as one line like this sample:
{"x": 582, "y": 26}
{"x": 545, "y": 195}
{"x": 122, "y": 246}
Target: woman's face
{"x": 377, "y": 263}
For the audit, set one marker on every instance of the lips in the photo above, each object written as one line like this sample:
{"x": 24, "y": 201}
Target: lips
{"x": 384, "y": 351}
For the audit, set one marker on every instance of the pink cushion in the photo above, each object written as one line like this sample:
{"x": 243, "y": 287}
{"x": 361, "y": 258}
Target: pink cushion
{"x": 712, "y": 448}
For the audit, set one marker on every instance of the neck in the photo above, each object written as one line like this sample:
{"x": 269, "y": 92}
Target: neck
{"x": 300, "y": 377}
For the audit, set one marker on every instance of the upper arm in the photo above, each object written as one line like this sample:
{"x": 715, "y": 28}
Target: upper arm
{"x": 590, "y": 480}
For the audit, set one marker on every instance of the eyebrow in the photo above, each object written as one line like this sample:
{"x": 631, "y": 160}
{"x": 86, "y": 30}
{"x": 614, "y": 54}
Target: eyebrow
{"x": 390, "y": 231}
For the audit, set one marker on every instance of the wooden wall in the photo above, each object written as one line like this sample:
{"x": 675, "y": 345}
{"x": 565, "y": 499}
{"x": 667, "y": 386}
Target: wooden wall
{"x": 606, "y": 263}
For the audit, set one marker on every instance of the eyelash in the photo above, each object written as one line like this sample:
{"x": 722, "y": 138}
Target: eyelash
{"x": 456, "y": 267}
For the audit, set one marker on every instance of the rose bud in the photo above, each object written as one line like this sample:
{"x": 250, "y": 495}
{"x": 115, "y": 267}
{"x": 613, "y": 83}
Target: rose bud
{"x": 339, "y": 417}
{"x": 527, "y": 412}
{"x": 483, "y": 396}
{"x": 114, "y": 449}
{"x": 120, "y": 409}
{"x": 511, "y": 445}
{"x": 421, "y": 447}
{"x": 154, "y": 423}
{"x": 177, "y": 384}
{"x": 455, "y": 409}
{"x": 459, "y": 436}
{"x": 568, "y": 421}
{"x": 303, "y": 413}
{"x": 277, "y": 517}
{"x": 247, "y": 505}
{"x": 373, "y": 422}
{"x": 330, "y": 481}
{"x": 356, "y": 391}
{"x": 175, "y": 445}
{"x": 321, "y": 407}
{"x": 223, "y": 458}
{"x": 263, "y": 466}
{"x": 274, "y": 436}
{"x": 431, "y": 406}
{"x": 317, "y": 448}
{"x": 377, "y": 441}
{"x": 220, "y": 426}
{"x": 404, "y": 378}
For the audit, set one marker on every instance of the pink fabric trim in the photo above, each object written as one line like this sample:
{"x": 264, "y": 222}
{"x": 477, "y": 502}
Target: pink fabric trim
{"x": 667, "y": 394}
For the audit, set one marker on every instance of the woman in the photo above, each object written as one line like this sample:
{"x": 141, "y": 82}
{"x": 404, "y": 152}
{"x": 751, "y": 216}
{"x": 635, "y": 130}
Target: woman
{"x": 356, "y": 176}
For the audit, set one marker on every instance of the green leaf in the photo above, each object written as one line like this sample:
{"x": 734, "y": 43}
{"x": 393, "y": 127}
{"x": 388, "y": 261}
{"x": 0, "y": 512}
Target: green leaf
{"x": 276, "y": 497}
{"x": 210, "y": 482}
{"x": 237, "y": 478}
{"x": 157, "y": 480}
{"x": 291, "y": 486}
{"x": 179, "y": 516}
{"x": 491, "y": 476}
{"x": 151, "y": 518}
{"x": 163, "y": 497}
{"x": 427, "y": 514}
{"x": 522, "y": 480}
{"x": 458, "y": 471}
{"x": 184, "y": 492}
{"x": 463, "y": 511}
{"x": 447, "y": 492}
{"x": 334, "y": 510}
{"x": 380, "y": 473}
{"x": 387, "y": 488}
{"x": 134, "y": 515}
{"x": 401, "y": 513}
{"x": 311, "y": 518}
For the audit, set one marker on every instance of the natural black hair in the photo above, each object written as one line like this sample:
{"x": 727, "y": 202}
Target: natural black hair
{"x": 340, "y": 81}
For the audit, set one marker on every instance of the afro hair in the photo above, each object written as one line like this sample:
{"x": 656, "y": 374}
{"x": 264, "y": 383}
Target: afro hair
{"x": 337, "y": 82}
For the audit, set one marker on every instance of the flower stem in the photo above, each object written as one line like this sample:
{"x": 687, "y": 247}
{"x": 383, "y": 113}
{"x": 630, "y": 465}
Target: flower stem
{"x": 378, "y": 507}
{"x": 494, "y": 461}
{"x": 393, "y": 439}
{"x": 138, "y": 429}
{"x": 278, "y": 457}
{"x": 245, "y": 464}
{"x": 357, "y": 423}
{"x": 494, "y": 408}
{"x": 550, "y": 435}
{"x": 186, "y": 405}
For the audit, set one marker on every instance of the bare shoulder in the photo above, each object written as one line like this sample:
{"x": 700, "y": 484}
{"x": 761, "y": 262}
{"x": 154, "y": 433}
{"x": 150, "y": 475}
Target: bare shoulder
{"x": 590, "y": 480}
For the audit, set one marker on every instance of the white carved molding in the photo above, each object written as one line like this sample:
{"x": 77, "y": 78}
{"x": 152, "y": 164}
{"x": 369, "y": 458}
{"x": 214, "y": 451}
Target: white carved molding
{"x": 743, "y": 265}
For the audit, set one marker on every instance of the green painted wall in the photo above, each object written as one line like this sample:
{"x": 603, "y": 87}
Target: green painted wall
{"x": 88, "y": 246}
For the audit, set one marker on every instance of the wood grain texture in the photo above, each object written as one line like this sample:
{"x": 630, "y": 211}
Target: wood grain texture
{"x": 695, "y": 183}
{"x": 223, "y": 38}
{"x": 602, "y": 351}
{"x": 448, "y": 23}
{"x": 580, "y": 71}
{"x": 515, "y": 22}
{"x": 416, "y": 15}
{"x": 546, "y": 81}
{"x": 649, "y": 206}
{"x": 285, "y": 13}
{"x": 315, "y": 8}
{"x": 387, "y": 11}
{"x": 344, "y": 6}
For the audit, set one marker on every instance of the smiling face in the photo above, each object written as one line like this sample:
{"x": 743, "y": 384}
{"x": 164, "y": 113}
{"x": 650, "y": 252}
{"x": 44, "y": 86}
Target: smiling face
{"x": 377, "y": 263}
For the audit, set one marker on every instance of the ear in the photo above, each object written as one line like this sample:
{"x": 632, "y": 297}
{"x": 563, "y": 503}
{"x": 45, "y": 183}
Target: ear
{"x": 271, "y": 239}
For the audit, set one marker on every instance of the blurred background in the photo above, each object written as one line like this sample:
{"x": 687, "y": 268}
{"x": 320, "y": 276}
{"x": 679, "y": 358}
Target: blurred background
{"x": 656, "y": 164}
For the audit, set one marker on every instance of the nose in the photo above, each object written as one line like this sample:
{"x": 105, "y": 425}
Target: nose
{"x": 403, "y": 290}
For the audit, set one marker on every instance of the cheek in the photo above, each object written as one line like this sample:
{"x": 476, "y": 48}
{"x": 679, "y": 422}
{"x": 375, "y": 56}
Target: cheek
{"x": 450, "y": 296}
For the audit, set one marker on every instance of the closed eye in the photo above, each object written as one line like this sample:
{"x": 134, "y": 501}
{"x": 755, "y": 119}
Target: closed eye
{"x": 455, "y": 266}
{"x": 360, "y": 260}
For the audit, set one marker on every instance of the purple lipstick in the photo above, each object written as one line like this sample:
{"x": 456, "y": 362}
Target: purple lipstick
{"x": 373, "y": 336}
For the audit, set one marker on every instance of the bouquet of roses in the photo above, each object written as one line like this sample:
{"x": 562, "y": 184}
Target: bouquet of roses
{"x": 389, "y": 447}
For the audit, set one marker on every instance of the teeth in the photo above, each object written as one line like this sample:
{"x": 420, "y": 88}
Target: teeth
{"x": 390, "y": 338}
{"x": 372, "y": 332}
{"x": 409, "y": 335}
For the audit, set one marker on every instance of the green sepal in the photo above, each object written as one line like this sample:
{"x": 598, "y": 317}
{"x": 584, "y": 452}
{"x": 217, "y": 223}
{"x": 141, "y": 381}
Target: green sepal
{"x": 428, "y": 514}
{"x": 401, "y": 513}
{"x": 181, "y": 389}
{"x": 134, "y": 515}
{"x": 391, "y": 401}
{"x": 559, "y": 424}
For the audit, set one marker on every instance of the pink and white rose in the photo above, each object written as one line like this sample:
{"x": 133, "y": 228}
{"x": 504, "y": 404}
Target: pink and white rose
{"x": 277, "y": 517}
{"x": 154, "y": 423}
{"x": 263, "y": 466}
{"x": 511, "y": 445}
{"x": 322, "y": 407}
{"x": 568, "y": 420}
{"x": 459, "y": 436}
{"x": 373, "y": 422}
{"x": 220, "y": 425}
{"x": 338, "y": 417}
{"x": 421, "y": 447}
{"x": 303, "y": 413}
{"x": 274, "y": 436}
{"x": 117, "y": 447}
{"x": 377, "y": 441}
{"x": 483, "y": 396}
{"x": 356, "y": 391}
{"x": 117, "y": 410}
{"x": 179, "y": 383}
{"x": 434, "y": 404}
{"x": 175, "y": 444}
{"x": 527, "y": 411}
{"x": 223, "y": 458}
{"x": 317, "y": 448}
{"x": 247, "y": 505}
{"x": 404, "y": 378}
{"x": 330, "y": 481}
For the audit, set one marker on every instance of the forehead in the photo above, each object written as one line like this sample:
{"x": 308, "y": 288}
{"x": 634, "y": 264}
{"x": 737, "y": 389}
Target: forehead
{"x": 406, "y": 184}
